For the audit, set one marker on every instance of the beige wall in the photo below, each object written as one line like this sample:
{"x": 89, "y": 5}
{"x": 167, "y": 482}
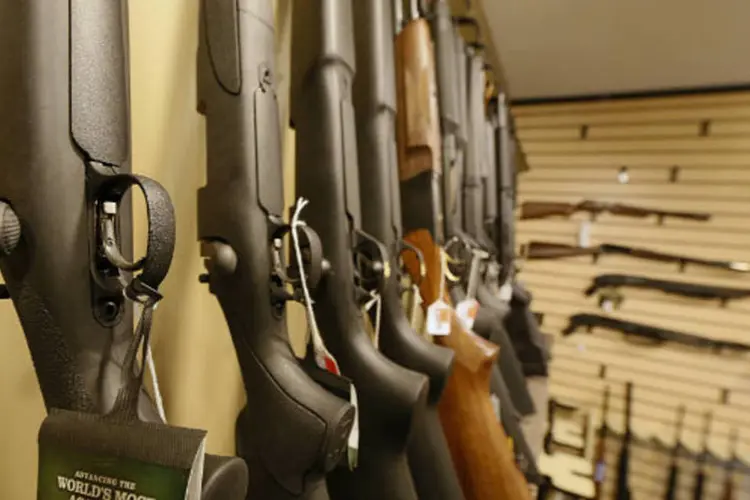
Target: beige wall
{"x": 195, "y": 359}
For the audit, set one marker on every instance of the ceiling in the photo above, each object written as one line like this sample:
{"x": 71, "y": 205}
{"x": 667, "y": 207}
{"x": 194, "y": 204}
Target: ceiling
{"x": 554, "y": 48}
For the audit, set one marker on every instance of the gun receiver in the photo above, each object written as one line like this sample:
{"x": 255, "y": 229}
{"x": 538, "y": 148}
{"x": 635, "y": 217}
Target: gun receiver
{"x": 67, "y": 169}
{"x": 692, "y": 290}
{"x": 543, "y": 209}
{"x": 623, "y": 460}
{"x": 391, "y": 397}
{"x": 545, "y": 250}
{"x": 295, "y": 431}
{"x": 375, "y": 106}
{"x": 478, "y": 443}
{"x": 650, "y": 333}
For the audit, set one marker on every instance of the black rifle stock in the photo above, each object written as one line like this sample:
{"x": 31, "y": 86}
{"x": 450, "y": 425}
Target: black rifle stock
{"x": 294, "y": 431}
{"x": 391, "y": 398}
{"x": 375, "y": 106}
{"x": 64, "y": 136}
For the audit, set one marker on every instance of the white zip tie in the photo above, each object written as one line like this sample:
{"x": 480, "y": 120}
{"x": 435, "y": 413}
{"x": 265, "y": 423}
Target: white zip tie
{"x": 155, "y": 384}
{"x": 318, "y": 343}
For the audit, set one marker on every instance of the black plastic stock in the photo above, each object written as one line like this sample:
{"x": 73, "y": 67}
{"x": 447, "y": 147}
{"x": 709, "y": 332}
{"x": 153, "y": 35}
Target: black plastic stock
{"x": 391, "y": 398}
{"x": 294, "y": 431}
{"x": 375, "y": 106}
{"x": 64, "y": 130}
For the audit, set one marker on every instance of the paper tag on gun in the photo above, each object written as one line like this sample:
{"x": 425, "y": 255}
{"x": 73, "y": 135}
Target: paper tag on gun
{"x": 466, "y": 310}
{"x": 439, "y": 319}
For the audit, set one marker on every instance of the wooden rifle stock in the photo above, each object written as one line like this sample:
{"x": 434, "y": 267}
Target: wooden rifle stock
{"x": 478, "y": 443}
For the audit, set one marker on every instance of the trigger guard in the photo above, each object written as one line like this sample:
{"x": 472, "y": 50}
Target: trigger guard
{"x": 314, "y": 265}
{"x": 370, "y": 247}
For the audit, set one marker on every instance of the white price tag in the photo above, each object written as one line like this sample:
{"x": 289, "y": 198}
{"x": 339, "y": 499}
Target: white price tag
{"x": 496, "y": 405}
{"x": 353, "y": 443}
{"x": 466, "y": 310}
{"x": 439, "y": 319}
{"x": 506, "y": 292}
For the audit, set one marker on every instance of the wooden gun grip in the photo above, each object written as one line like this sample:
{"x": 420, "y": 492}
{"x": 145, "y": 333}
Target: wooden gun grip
{"x": 418, "y": 129}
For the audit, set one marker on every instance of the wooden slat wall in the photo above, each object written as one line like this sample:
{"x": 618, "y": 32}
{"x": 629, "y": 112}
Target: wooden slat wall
{"x": 575, "y": 151}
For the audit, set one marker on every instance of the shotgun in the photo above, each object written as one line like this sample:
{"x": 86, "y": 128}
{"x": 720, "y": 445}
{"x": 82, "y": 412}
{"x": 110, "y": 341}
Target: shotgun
{"x": 674, "y": 469}
{"x": 66, "y": 225}
{"x": 546, "y": 250}
{"x": 652, "y": 334}
{"x": 374, "y": 95}
{"x": 296, "y": 431}
{"x": 680, "y": 288}
{"x": 543, "y": 209}
{"x": 391, "y": 398}
{"x": 478, "y": 444}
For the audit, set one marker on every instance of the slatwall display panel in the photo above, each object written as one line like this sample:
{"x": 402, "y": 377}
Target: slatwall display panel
{"x": 683, "y": 153}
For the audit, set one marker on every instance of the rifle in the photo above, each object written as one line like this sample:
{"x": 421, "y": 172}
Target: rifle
{"x": 391, "y": 398}
{"x": 674, "y": 470}
{"x": 528, "y": 342}
{"x": 700, "y": 476}
{"x": 469, "y": 229}
{"x": 692, "y": 290}
{"x": 543, "y": 209}
{"x": 623, "y": 460}
{"x": 295, "y": 431}
{"x": 375, "y": 107}
{"x": 728, "y": 490}
{"x": 652, "y": 334}
{"x": 477, "y": 442}
{"x": 546, "y": 250}
{"x": 600, "y": 454}
{"x": 66, "y": 222}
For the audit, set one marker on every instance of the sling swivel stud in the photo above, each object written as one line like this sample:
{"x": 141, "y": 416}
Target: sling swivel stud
{"x": 10, "y": 229}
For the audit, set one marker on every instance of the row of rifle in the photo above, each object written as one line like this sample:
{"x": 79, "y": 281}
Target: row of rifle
{"x": 605, "y": 459}
{"x": 384, "y": 100}
{"x": 623, "y": 487}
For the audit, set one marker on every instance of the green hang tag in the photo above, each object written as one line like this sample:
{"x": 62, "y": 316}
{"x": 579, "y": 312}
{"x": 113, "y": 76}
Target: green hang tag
{"x": 85, "y": 456}
{"x": 116, "y": 456}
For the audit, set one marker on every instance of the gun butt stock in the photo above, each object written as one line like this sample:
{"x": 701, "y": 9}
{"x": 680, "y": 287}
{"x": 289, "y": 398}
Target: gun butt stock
{"x": 296, "y": 431}
{"x": 391, "y": 398}
{"x": 479, "y": 446}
